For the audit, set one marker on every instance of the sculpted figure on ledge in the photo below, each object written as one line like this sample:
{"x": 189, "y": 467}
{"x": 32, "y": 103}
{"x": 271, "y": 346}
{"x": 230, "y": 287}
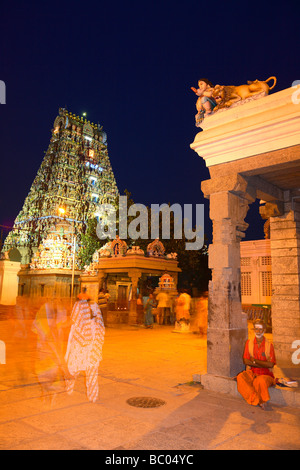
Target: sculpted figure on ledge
{"x": 214, "y": 98}
{"x": 205, "y": 103}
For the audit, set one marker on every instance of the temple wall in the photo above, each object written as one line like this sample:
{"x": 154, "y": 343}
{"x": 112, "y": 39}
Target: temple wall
{"x": 252, "y": 152}
{"x": 285, "y": 250}
{"x": 8, "y": 281}
{"x": 256, "y": 272}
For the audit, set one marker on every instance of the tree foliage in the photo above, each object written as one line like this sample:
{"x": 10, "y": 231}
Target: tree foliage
{"x": 193, "y": 263}
{"x": 89, "y": 243}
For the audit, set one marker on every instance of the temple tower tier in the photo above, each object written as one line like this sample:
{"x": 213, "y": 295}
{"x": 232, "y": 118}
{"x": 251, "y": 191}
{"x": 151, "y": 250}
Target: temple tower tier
{"x": 74, "y": 179}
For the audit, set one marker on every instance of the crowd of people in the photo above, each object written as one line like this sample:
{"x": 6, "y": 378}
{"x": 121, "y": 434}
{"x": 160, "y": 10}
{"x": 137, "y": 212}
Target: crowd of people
{"x": 165, "y": 309}
{"x": 55, "y": 367}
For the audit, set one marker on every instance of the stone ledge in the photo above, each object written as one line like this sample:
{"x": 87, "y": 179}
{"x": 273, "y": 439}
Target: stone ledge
{"x": 256, "y": 127}
{"x": 279, "y": 396}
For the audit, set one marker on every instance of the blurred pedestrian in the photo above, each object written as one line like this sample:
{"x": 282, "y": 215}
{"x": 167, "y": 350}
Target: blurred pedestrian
{"x": 173, "y": 305}
{"x": 83, "y": 294}
{"x": 163, "y": 307}
{"x": 84, "y": 350}
{"x": 21, "y": 337}
{"x": 183, "y": 305}
{"x": 50, "y": 365}
{"x": 150, "y": 303}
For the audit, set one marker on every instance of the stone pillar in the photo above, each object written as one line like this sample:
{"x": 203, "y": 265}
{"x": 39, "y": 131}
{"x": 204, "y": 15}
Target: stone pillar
{"x": 101, "y": 278}
{"x": 135, "y": 276}
{"x": 8, "y": 281}
{"x": 26, "y": 254}
{"x": 285, "y": 253}
{"x": 227, "y": 326}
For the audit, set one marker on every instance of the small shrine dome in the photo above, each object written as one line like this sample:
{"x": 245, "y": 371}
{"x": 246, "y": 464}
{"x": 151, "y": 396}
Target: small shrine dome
{"x": 166, "y": 282}
{"x": 156, "y": 248}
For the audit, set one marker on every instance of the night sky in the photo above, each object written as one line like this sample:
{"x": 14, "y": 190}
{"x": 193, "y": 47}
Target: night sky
{"x": 130, "y": 66}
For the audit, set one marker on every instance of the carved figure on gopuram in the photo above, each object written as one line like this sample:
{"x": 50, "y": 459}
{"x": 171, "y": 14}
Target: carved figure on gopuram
{"x": 212, "y": 99}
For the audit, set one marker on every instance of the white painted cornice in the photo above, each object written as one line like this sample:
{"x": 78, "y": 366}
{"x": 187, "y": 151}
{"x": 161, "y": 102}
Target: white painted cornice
{"x": 256, "y": 127}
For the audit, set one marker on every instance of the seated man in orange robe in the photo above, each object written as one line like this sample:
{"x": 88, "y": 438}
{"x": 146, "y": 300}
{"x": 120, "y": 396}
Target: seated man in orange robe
{"x": 259, "y": 358}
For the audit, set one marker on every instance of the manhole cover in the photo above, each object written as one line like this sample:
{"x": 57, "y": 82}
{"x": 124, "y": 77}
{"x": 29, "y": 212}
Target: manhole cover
{"x": 145, "y": 402}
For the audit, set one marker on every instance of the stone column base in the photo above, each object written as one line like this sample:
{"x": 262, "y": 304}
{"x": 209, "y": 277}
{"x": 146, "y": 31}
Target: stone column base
{"x": 227, "y": 385}
{"x": 225, "y": 351}
{"x": 132, "y": 315}
{"x": 220, "y": 384}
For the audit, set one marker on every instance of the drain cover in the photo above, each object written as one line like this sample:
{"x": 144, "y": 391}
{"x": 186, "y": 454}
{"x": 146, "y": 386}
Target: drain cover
{"x": 145, "y": 402}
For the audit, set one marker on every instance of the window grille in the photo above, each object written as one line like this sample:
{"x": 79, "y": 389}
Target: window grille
{"x": 266, "y": 283}
{"x": 265, "y": 260}
{"x": 245, "y": 261}
{"x": 246, "y": 283}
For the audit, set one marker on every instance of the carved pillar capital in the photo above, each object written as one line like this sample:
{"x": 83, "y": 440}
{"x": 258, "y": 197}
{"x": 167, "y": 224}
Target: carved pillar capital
{"x": 135, "y": 276}
{"x": 271, "y": 209}
{"x": 234, "y": 183}
{"x": 228, "y": 212}
{"x": 230, "y": 197}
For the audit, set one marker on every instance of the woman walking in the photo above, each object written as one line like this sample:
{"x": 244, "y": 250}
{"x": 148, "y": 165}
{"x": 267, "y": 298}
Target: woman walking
{"x": 84, "y": 350}
{"x": 148, "y": 311}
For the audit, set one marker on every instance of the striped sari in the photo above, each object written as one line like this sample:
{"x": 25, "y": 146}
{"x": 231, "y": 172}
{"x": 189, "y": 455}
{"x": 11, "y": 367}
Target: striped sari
{"x": 84, "y": 350}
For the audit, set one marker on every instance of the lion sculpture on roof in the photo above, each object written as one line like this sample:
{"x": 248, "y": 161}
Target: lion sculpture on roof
{"x": 213, "y": 98}
{"x": 225, "y": 96}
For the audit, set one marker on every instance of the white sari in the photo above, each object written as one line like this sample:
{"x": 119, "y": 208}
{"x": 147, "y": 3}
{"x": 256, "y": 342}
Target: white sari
{"x": 84, "y": 349}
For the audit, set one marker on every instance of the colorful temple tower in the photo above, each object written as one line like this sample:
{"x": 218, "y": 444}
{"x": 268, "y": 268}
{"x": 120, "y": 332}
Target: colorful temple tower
{"x": 74, "y": 179}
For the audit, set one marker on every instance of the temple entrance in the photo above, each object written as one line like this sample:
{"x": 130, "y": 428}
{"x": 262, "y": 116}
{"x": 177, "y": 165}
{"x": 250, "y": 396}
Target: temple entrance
{"x": 251, "y": 162}
{"x": 122, "y": 296}
{"x": 127, "y": 276}
{"x": 122, "y": 293}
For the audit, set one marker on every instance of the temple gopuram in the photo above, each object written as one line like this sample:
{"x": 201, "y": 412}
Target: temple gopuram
{"x": 74, "y": 179}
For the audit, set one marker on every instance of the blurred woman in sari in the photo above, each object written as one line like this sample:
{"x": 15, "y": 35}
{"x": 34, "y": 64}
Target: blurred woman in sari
{"x": 84, "y": 350}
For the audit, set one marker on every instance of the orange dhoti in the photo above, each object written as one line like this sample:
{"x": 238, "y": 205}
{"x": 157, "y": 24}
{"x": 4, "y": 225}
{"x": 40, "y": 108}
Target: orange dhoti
{"x": 254, "y": 388}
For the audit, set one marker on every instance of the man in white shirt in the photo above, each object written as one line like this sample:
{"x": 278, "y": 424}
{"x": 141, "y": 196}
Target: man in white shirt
{"x": 163, "y": 307}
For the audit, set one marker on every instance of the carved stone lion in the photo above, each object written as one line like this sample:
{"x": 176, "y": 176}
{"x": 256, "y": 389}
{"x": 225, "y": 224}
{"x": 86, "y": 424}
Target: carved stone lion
{"x": 225, "y": 96}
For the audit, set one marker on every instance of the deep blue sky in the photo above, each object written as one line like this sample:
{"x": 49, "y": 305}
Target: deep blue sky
{"x": 130, "y": 66}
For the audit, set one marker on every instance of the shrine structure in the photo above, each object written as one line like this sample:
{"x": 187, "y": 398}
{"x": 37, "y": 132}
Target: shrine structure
{"x": 121, "y": 270}
{"x": 252, "y": 151}
{"x": 74, "y": 179}
{"x": 54, "y": 270}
